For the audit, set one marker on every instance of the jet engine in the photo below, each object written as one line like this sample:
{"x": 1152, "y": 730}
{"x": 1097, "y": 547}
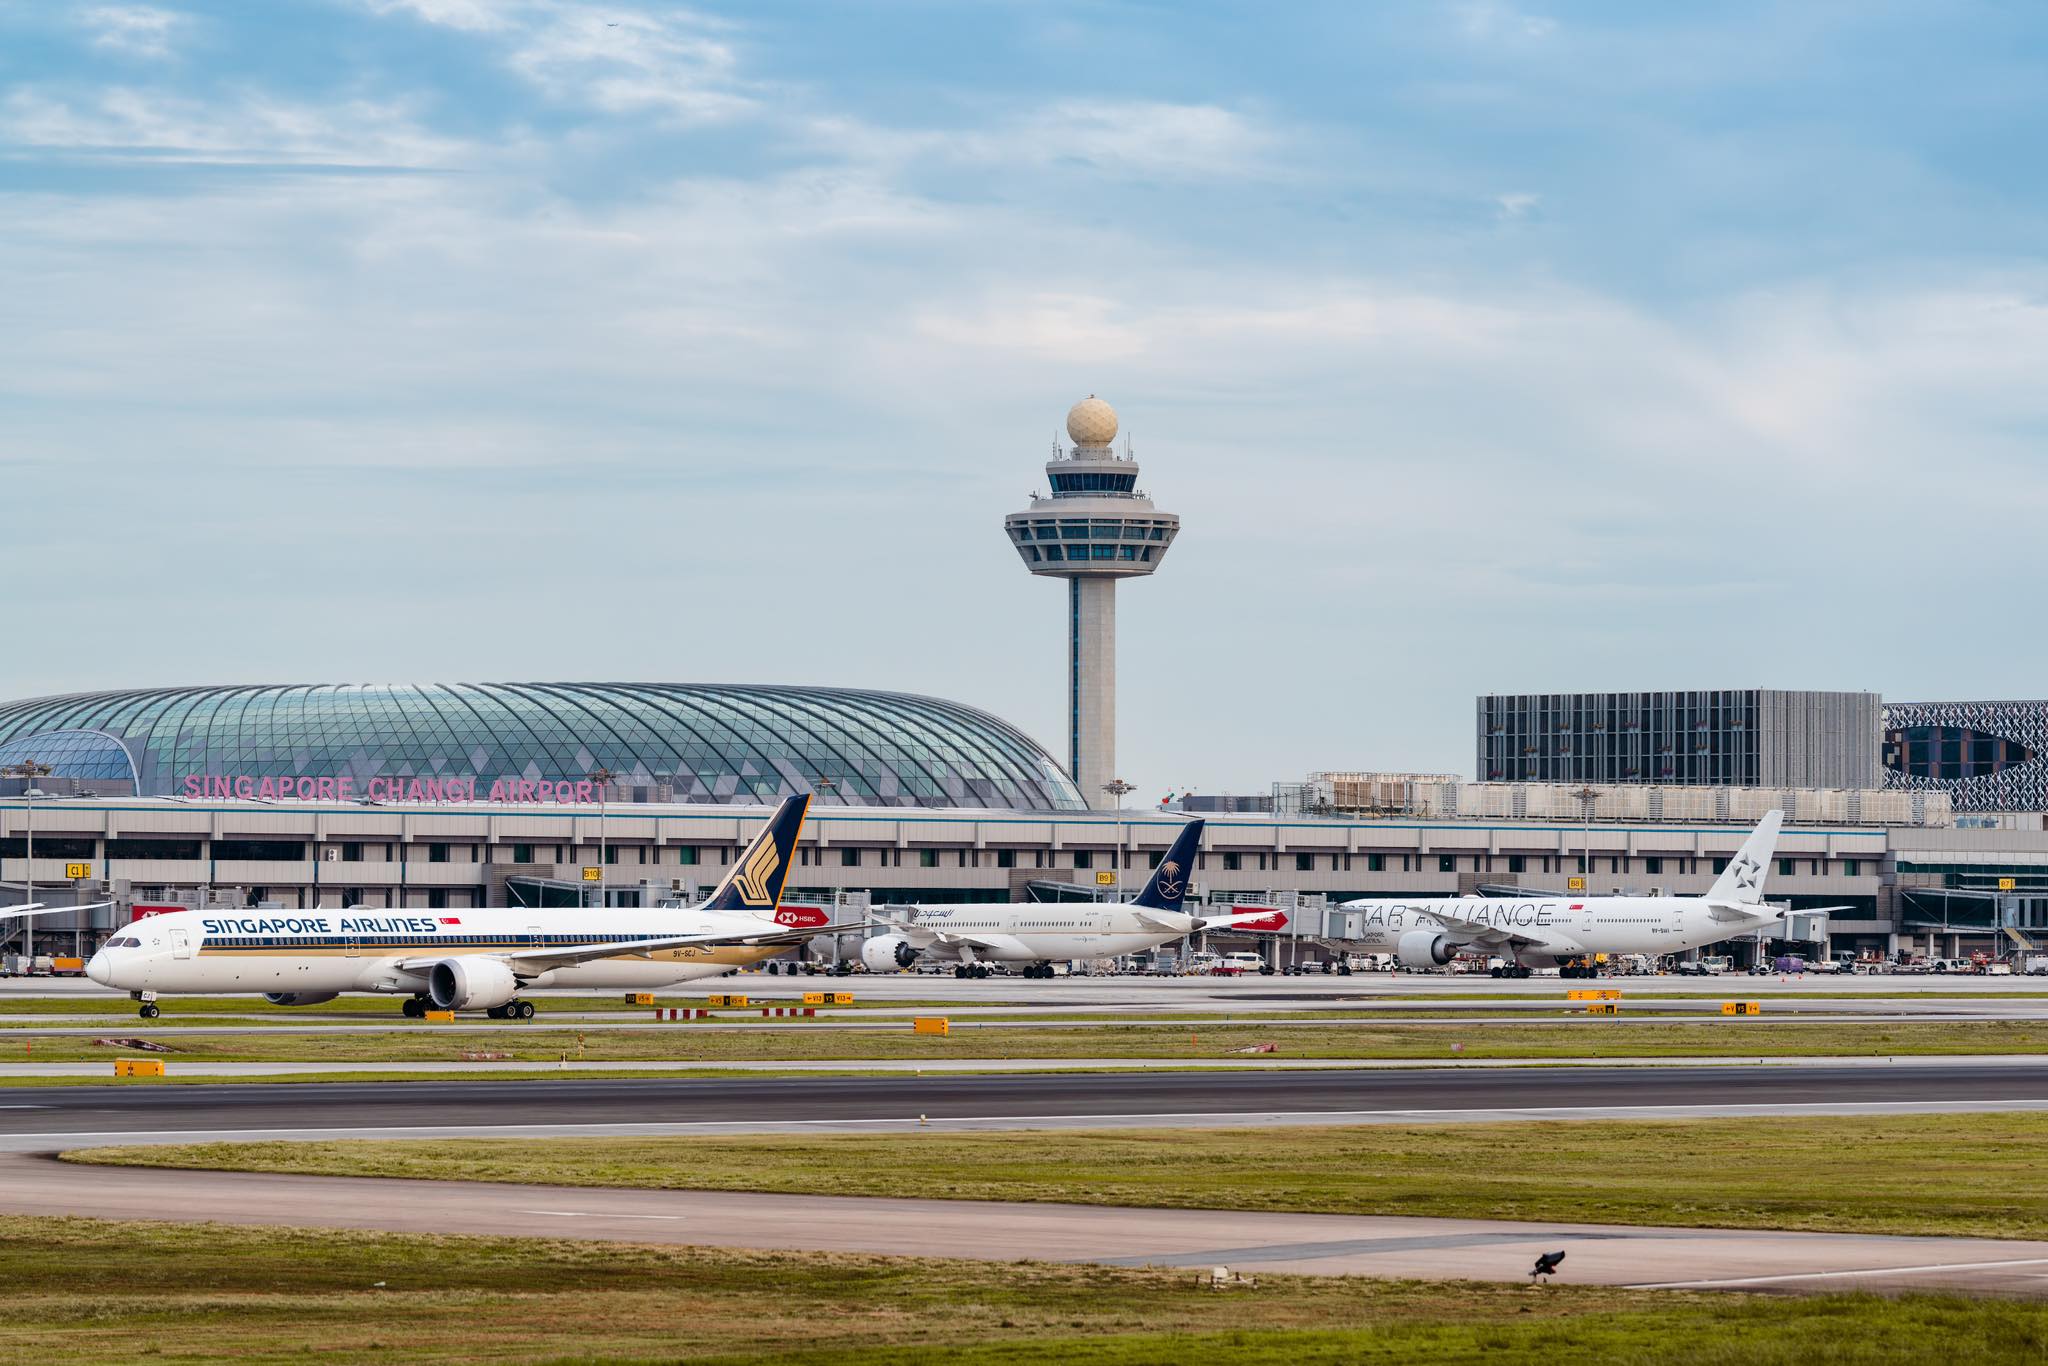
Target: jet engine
{"x": 299, "y": 998}
{"x": 467, "y": 983}
{"x": 887, "y": 953}
{"x": 1424, "y": 949}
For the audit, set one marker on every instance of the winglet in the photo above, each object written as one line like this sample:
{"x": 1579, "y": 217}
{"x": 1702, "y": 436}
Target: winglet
{"x": 1168, "y": 884}
{"x": 1742, "y": 883}
{"x": 755, "y": 882}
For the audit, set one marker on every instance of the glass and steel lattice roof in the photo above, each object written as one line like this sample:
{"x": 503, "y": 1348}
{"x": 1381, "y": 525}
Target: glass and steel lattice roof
{"x": 662, "y": 741}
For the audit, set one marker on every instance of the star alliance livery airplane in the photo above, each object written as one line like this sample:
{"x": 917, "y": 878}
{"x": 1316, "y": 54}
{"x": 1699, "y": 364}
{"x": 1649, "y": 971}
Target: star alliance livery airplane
{"x": 1550, "y": 929}
{"x": 1038, "y": 935}
{"x": 479, "y": 959}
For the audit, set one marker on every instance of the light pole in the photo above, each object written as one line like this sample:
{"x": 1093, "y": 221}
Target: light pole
{"x": 1118, "y": 789}
{"x": 602, "y": 777}
{"x": 28, "y": 770}
{"x": 1587, "y": 795}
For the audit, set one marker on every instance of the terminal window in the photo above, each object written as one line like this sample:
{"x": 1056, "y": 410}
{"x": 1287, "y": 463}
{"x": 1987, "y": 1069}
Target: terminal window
{"x": 686, "y": 853}
{"x": 1786, "y": 867}
{"x": 1653, "y": 865}
{"x": 273, "y": 851}
{"x": 849, "y": 858}
{"x": 1517, "y": 863}
{"x": 1304, "y": 863}
{"x": 1006, "y": 858}
{"x": 1375, "y": 863}
{"x": 1447, "y": 863}
{"x": 1232, "y": 862}
{"x": 437, "y": 853}
{"x": 1084, "y": 858}
{"x": 522, "y": 853}
{"x": 927, "y": 858}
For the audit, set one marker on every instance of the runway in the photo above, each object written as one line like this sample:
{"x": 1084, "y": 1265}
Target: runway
{"x": 984, "y": 1230}
{"x": 49, "y": 1118}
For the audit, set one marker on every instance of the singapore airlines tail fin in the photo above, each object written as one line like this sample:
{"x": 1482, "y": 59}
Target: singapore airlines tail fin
{"x": 755, "y": 882}
{"x": 1169, "y": 881}
{"x": 1742, "y": 884}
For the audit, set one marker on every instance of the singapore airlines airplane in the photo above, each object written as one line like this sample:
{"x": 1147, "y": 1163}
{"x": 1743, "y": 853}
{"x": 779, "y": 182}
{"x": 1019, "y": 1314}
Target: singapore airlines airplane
{"x": 479, "y": 959}
{"x": 1548, "y": 930}
{"x": 973, "y": 936}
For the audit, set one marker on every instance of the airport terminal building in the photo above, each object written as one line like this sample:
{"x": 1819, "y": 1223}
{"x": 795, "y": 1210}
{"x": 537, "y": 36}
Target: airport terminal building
{"x": 531, "y": 794}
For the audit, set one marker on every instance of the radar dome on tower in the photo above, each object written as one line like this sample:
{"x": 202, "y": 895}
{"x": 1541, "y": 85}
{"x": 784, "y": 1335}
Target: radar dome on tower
{"x": 1091, "y": 422}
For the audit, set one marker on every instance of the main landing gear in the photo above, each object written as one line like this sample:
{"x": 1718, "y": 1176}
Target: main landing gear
{"x": 1038, "y": 969}
{"x": 512, "y": 1010}
{"x": 971, "y": 970}
{"x": 414, "y": 1007}
{"x": 1512, "y": 970}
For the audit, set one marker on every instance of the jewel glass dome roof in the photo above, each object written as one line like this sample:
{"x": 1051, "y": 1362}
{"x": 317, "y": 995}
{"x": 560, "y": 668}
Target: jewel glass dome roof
{"x": 690, "y": 743}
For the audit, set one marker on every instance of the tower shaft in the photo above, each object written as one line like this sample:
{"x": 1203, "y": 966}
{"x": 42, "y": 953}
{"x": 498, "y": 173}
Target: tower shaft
{"x": 1091, "y": 686}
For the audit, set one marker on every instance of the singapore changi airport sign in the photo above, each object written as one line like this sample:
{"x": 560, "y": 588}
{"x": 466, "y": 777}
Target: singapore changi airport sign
{"x": 345, "y": 788}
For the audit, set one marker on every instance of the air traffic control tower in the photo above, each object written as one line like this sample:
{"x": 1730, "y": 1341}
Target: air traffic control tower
{"x": 1096, "y": 528}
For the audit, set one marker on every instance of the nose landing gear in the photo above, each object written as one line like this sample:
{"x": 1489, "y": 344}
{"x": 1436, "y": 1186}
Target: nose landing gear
{"x": 149, "y": 1009}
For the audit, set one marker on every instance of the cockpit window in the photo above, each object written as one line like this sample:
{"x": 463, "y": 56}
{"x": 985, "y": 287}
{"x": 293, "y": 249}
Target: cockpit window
{"x": 125, "y": 942}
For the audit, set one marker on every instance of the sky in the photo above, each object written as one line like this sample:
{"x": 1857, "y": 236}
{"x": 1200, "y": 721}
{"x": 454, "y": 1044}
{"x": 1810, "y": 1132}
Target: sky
{"x": 1479, "y": 346}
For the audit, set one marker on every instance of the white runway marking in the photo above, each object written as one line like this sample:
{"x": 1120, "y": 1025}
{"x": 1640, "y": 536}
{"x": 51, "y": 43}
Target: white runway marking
{"x": 591, "y": 1214}
{"x": 1154, "y": 1119}
{"x": 1831, "y": 1275}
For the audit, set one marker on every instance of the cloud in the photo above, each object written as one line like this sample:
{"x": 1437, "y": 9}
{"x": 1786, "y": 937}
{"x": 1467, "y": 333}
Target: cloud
{"x": 1488, "y": 20}
{"x": 618, "y": 58}
{"x": 248, "y": 129}
{"x": 1514, "y": 206}
{"x": 132, "y": 30}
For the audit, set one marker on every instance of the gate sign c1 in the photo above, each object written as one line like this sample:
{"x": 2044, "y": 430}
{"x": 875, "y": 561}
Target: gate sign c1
{"x": 78, "y": 872}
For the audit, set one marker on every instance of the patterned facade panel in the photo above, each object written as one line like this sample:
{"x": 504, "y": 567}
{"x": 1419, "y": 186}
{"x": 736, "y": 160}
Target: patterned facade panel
{"x": 1988, "y": 756}
{"x": 659, "y": 741}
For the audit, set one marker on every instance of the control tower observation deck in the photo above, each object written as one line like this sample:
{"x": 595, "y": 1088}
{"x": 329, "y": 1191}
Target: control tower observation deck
{"x": 1096, "y": 528}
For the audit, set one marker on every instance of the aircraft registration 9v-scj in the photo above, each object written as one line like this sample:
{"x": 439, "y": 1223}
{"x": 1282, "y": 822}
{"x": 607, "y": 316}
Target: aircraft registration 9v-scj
{"x": 1542, "y": 931}
{"x": 479, "y": 959}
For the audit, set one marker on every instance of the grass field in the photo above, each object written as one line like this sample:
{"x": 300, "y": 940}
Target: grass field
{"x": 90, "y": 1291}
{"x": 684, "y": 1043}
{"x": 1967, "y": 1174}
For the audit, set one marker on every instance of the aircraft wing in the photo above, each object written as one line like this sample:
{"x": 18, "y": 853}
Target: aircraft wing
{"x": 533, "y": 962}
{"x": 39, "y": 908}
{"x": 924, "y": 936}
{"x": 1483, "y": 935}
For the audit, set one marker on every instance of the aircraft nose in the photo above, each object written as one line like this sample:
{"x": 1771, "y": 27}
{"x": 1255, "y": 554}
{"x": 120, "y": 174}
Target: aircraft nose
{"x": 99, "y": 969}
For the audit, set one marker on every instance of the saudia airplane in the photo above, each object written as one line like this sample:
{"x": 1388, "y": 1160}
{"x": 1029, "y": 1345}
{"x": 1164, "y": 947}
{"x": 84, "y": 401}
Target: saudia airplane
{"x": 973, "y": 936}
{"x": 480, "y": 959}
{"x": 1551, "y": 929}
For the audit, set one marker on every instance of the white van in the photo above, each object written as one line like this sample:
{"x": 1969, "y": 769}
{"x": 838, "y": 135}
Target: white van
{"x": 1234, "y": 964}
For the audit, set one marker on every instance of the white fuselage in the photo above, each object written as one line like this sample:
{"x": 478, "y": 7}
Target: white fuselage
{"x": 1031, "y": 933}
{"x": 316, "y": 952}
{"x": 1562, "y": 927}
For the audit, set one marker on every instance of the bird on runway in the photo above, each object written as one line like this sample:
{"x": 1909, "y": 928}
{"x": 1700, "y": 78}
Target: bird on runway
{"x": 1546, "y": 1265}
